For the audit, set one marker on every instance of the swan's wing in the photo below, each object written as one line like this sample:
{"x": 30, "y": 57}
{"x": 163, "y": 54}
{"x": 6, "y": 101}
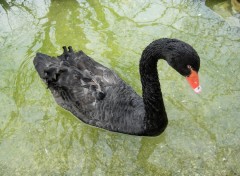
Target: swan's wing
{"x": 90, "y": 67}
{"x": 75, "y": 79}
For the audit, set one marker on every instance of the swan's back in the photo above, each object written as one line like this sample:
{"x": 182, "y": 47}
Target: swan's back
{"x": 92, "y": 92}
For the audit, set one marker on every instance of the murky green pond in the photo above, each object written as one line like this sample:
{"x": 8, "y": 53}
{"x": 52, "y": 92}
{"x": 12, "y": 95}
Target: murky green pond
{"x": 37, "y": 137}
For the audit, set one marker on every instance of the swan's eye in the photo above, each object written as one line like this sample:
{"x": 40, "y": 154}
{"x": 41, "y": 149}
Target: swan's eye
{"x": 190, "y": 69}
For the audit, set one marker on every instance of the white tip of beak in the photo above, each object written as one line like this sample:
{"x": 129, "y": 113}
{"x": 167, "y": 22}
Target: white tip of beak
{"x": 198, "y": 89}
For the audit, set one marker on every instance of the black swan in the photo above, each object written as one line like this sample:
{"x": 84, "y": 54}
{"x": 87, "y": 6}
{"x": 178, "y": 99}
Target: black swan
{"x": 97, "y": 96}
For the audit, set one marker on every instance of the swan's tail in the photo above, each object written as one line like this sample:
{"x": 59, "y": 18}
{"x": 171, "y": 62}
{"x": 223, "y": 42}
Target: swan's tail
{"x": 49, "y": 68}
{"x": 42, "y": 62}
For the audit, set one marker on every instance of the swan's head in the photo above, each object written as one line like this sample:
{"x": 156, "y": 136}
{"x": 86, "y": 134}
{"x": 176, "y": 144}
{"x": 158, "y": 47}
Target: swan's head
{"x": 185, "y": 60}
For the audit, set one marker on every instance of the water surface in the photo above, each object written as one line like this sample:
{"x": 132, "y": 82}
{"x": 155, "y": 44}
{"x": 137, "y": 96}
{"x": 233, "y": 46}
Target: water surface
{"x": 39, "y": 137}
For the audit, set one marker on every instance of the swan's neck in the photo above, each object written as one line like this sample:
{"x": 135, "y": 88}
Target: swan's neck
{"x": 155, "y": 114}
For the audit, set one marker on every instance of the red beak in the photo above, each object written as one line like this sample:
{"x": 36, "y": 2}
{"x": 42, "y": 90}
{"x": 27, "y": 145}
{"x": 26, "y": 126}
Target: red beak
{"x": 193, "y": 80}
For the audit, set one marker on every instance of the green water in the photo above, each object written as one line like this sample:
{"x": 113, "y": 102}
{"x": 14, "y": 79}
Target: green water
{"x": 37, "y": 137}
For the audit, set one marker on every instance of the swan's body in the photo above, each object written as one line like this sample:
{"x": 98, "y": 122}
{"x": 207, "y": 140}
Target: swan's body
{"x": 97, "y": 96}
